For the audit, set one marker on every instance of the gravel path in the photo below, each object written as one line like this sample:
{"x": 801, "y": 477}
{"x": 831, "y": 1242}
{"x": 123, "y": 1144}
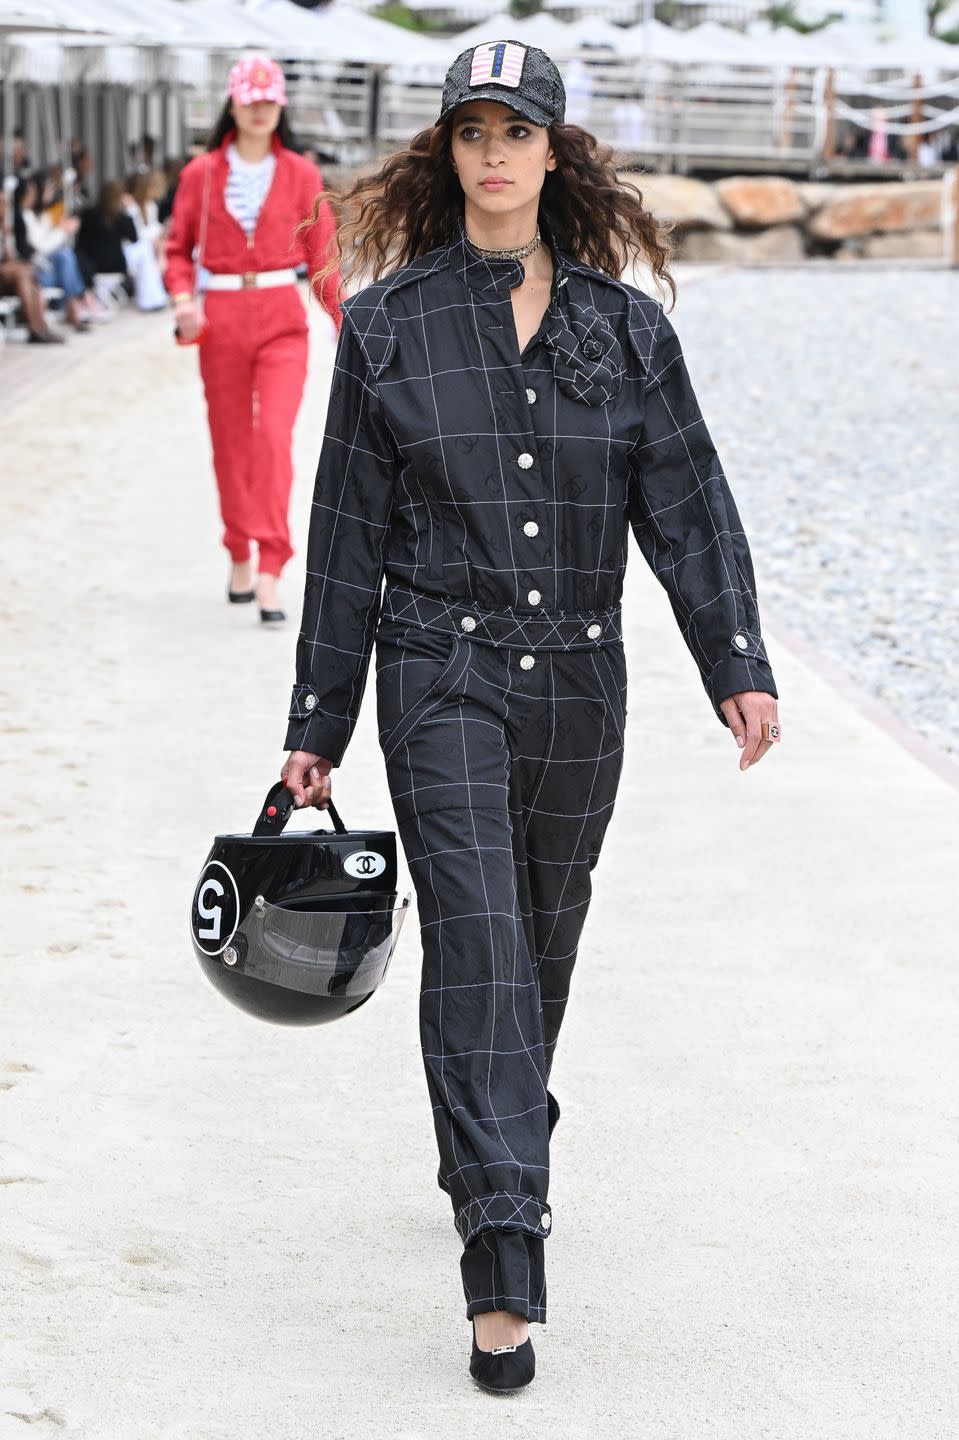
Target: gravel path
{"x": 833, "y": 397}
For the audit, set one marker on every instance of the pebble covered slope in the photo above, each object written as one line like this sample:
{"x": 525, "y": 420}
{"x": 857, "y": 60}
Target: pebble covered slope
{"x": 833, "y": 399}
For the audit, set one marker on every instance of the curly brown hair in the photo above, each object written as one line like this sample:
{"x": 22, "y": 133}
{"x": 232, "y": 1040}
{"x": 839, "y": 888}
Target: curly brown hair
{"x": 410, "y": 205}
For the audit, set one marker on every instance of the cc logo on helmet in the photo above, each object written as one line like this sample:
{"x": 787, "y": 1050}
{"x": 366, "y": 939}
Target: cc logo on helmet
{"x": 363, "y": 864}
{"x": 216, "y": 909}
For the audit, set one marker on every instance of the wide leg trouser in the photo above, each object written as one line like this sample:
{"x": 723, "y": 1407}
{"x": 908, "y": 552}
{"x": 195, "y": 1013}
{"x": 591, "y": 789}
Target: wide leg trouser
{"x": 503, "y": 779}
{"x": 253, "y": 362}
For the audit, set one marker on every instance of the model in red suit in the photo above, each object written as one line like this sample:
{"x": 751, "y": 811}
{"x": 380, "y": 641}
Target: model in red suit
{"x": 237, "y": 215}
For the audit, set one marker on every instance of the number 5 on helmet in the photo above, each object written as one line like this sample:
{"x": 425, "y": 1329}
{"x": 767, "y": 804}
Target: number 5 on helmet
{"x": 298, "y": 929}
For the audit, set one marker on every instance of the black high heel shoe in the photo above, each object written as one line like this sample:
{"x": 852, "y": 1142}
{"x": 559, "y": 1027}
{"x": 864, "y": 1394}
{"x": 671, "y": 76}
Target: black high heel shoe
{"x": 272, "y": 617}
{"x": 505, "y": 1369}
{"x": 239, "y": 597}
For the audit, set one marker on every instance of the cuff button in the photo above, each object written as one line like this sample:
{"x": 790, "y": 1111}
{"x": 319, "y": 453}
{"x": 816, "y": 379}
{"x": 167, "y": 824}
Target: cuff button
{"x": 310, "y": 702}
{"x": 741, "y": 641}
{"x": 545, "y": 1220}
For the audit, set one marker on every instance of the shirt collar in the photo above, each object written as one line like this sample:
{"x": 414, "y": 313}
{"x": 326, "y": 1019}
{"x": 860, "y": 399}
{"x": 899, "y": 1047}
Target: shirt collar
{"x": 499, "y": 277}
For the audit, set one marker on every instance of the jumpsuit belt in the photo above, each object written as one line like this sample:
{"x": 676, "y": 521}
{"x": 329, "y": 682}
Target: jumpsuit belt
{"x": 519, "y": 629}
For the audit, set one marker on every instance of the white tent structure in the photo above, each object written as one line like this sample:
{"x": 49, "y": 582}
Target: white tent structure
{"x": 542, "y": 30}
{"x": 337, "y": 32}
{"x": 114, "y": 69}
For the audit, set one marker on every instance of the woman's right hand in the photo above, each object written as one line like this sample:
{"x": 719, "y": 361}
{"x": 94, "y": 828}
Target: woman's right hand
{"x": 307, "y": 777}
{"x": 188, "y": 319}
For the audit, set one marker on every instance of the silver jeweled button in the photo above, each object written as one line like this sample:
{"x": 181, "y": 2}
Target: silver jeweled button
{"x": 531, "y": 528}
{"x": 467, "y": 623}
{"x": 741, "y": 641}
{"x": 594, "y": 632}
{"x": 527, "y": 662}
{"x": 310, "y": 702}
{"x": 534, "y": 597}
{"x": 531, "y": 396}
{"x": 525, "y": 460}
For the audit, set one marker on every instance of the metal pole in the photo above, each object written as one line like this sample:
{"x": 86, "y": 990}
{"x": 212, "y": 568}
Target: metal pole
{"x": 829, "y": 143}
{"x": 912, "y": 141}
{"x": 950, "y": 216}
{"x": 66, "y": 140}
{"x": 6, "y": 57}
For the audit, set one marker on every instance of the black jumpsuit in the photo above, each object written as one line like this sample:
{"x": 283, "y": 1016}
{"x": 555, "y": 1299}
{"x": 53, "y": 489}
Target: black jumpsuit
{"x": 495, "y": 491}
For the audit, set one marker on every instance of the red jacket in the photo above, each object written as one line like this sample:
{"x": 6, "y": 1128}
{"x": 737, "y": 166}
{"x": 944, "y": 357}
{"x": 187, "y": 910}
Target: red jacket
{"x": 274, "y": 244}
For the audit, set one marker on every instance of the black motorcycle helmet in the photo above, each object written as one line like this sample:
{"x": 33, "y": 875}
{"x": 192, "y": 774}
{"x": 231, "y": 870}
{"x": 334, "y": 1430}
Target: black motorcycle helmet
{"x": 298, "y": 929}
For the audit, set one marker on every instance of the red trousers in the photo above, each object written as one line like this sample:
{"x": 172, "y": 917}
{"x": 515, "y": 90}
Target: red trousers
{"x": 253, "y": 362}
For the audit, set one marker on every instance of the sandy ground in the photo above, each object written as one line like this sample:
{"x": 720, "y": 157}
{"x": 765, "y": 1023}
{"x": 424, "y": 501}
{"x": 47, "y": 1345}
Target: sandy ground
{"x": 215, "y": 1229}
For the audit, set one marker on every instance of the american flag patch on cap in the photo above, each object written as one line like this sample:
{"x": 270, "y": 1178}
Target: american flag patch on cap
{"x": 500, "y": 63}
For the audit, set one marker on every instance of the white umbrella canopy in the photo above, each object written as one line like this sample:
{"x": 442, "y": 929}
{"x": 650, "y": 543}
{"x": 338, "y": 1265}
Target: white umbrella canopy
{"x": 20, "y": 17}
{"x": 340, "y": 32}
{"x": 467, "y": 9}
{"x": 544, "y": 31}
{"x": 785, "y": 46}
{"x": 921, "y": 53}
{"x": 665, "y": 42}
{"x": 712, "y": 41}
{"x": 859, "y": 46}
{"x": 594, "y": 30}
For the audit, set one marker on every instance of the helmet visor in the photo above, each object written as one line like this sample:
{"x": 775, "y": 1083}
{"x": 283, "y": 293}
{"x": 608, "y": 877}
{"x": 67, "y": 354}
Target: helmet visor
{"x": 340, "y": 954}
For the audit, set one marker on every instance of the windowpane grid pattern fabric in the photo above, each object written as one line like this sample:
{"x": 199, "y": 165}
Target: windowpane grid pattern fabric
{"x": 420, "y": 474}
{"x": 495, "y": 492}
{"x": 503, "y": 780}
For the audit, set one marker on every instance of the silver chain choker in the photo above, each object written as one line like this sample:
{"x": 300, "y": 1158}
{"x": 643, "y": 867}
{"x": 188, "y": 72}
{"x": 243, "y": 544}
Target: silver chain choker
{"x": 520, "y": 254}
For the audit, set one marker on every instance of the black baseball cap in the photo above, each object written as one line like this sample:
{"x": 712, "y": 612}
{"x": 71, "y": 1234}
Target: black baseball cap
{"x": 515, "y": 74}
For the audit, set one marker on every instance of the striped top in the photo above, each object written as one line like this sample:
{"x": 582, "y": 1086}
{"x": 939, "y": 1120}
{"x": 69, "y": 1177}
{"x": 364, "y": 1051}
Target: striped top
{"x": 246, "y": 187}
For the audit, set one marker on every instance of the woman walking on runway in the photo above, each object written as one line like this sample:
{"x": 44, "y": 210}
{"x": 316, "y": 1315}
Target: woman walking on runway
{"x": 238, "y": 210}
{"x": 503, "y": 408}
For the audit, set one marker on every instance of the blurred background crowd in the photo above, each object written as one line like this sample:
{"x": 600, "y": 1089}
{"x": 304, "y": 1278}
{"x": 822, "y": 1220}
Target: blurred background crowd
{"x": 102, "y": 101}
{"x": 76, "y": 251}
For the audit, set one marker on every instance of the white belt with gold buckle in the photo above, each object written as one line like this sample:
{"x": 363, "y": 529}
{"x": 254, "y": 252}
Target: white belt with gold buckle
{"x": 252, "y": 280}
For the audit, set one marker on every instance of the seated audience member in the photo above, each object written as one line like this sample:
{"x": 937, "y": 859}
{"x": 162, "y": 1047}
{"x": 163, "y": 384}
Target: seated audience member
{"x": 144, "y": 258}
{"x": 171, "y": 179}
{"x": 81, "y": 163}
{"x": 104, "y": 230}
{"x": 17, "y": 278}
{"x": 48, "y": 246}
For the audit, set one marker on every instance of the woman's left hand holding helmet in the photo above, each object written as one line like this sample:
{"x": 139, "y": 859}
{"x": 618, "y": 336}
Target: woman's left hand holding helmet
{"x": 746, "y": 713}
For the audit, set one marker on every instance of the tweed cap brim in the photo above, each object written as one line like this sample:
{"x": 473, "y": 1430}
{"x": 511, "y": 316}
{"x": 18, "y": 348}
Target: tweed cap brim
{"x": 503, "y": 96}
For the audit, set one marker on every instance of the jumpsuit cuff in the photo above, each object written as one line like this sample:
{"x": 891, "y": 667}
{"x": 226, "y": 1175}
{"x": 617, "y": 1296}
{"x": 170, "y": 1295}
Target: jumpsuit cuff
{"x": 745, "y": 667}
{"x": 502, "y": 1211}
{"x": 313, "y": 730}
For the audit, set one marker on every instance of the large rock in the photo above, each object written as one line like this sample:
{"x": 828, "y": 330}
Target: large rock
{"x": 906, "y": 245}
{"x": 781, "y": 244}
{"x": 692, "y": 204}
{"x": 868, "y": 209}
{"x": 815, "y": 193}
{"x": 755, "y": 201}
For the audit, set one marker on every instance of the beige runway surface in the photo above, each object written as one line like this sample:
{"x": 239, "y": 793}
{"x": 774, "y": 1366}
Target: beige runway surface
{"x": 212, "y": 1229}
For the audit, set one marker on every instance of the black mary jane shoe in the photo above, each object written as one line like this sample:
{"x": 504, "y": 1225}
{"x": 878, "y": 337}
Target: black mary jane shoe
{"x": 241, "y": 597}
{"x": 505, "y": 1369}
{"x": 272, "y": 617}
